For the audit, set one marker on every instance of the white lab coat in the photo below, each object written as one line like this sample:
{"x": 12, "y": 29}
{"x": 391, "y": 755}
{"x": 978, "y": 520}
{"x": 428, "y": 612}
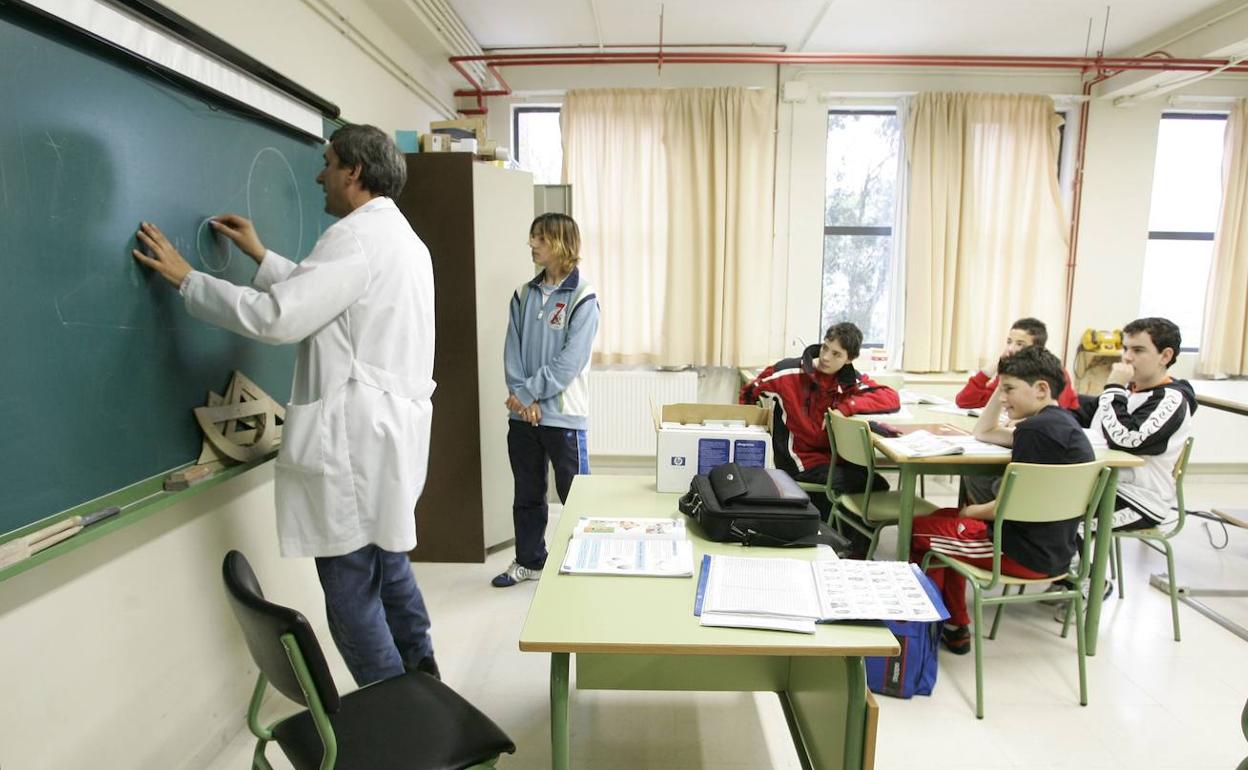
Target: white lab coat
{"x": 355, "y": 443}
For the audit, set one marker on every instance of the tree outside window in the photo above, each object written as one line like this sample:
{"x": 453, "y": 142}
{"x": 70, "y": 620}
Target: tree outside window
{"x": 858, "y": 219}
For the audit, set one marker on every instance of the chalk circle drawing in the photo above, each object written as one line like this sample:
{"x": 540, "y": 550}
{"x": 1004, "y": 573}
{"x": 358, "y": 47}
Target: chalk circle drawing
{"x": 265, "y": 192}
{"x": 214, "y": 249}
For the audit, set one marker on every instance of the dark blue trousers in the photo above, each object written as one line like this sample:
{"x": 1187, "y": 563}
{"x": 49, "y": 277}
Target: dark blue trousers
{"x": 376, "y": 612}
{"x": 531, "y": 449}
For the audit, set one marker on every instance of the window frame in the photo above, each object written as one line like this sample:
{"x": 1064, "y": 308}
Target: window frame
{"x": 878, "y": 230}
{"x": 516, "y": 111}
{"x": 1187, "y": 235}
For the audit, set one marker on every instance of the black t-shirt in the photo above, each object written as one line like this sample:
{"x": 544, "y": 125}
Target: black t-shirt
{"x": 1051, "y": 436}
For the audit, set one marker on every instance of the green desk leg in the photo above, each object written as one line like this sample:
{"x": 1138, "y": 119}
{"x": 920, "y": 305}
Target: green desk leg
{"x": 1100, "y": 560}
{"x": 559, "y": 735}
{"x": 905, "y": 515}
{"x": 856, "y": 716}
{"x": 822, "y": 694}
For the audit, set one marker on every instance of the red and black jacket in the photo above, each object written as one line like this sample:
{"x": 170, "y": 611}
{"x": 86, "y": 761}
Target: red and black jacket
{"x": 800, "y": 395}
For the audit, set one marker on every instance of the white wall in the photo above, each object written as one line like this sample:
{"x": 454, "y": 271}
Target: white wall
{"x": 123, "y": 654}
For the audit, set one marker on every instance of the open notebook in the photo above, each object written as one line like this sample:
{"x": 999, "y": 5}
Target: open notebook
{"x": 921, "y": 443}
{"x": 635, "y": 546}
{"x": 795, "y": 595}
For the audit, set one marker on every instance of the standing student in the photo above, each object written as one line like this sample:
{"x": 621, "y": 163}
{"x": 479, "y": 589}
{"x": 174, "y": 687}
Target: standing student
{"x": 800, "y": 391}
{"x": 1030, "y": 382}
{"x": 1024, "y": 333}
{"x": 1144, "y": 411}
{"x": 550, "y": 333}
{"x": 355, "y": 444}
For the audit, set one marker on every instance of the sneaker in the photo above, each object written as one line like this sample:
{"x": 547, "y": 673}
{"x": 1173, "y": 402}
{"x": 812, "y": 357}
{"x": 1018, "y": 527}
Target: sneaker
{"x": 1059, "y": 605}
{"x": 957, "y": 639}
{"x": 1055, "y": 586}
{"x": 515, "y": 574}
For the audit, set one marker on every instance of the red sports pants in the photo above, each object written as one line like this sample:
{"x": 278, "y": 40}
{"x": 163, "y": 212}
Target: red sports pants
{"x": 970, "y": 540}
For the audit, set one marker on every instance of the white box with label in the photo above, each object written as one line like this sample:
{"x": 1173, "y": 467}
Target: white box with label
{"x": 687, "y": 447}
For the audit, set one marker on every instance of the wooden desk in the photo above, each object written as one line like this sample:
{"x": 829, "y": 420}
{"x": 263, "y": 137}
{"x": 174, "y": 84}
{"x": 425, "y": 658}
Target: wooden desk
{"x": 635, "y": 633}
{"x": 961, "y": 465}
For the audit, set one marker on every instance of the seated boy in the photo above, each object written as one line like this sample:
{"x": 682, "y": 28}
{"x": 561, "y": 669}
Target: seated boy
{"x": 801, "y": 391}
{"x": 1025, "y": 333}
{"x": 1031, "y": 381}
{"x": 1145, "y": 412}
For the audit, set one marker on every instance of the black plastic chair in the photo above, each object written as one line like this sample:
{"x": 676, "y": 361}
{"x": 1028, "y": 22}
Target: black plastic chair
{"x": 412, "y": 721}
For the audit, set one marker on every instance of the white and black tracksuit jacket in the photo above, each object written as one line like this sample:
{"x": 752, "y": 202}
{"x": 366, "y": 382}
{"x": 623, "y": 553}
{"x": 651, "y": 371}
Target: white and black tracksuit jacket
{"x": 1153, "y": 424}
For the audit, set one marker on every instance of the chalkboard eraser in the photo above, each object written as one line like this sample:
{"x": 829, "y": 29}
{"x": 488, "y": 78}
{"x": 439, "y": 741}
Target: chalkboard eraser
{"x": 188, "y": 477}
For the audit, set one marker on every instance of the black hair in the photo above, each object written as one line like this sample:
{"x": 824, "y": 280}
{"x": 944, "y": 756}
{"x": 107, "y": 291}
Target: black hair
{"x": 1162, "y": 331}
{"x": 383, "y": 171}
{"x": 1033, "y": 364}
{"x": 848, "y": 335}
{"x": 1035, "y": 327}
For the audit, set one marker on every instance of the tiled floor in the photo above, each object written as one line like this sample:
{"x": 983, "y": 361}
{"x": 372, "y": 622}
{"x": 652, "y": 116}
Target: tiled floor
{"x": 1153, "y": 703}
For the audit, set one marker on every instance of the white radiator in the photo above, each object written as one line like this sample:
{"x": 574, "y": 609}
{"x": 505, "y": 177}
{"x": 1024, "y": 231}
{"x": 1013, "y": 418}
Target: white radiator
{"x": 621, "y": 403}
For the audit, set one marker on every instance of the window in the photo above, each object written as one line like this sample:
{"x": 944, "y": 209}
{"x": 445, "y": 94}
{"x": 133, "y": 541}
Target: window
{"x": 1187, "y": 196}
{"x": 858, "y": 220}
{"x": 538, "y": 142}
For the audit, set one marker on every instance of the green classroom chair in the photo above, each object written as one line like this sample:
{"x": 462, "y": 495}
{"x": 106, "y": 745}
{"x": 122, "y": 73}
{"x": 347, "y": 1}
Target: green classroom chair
{"x": 1032, "y": 493}
{"x": 1158, "y": 538}
{"x": 865, "y": 512}
{"x": 411, "y": 721}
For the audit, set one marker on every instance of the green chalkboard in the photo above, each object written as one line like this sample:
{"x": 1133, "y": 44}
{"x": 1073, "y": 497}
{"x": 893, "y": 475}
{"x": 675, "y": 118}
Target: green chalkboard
{"x": 101, "y": 364}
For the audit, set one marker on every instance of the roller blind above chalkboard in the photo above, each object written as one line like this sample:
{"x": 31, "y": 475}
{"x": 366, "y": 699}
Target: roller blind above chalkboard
{"x": 102, "y": 365}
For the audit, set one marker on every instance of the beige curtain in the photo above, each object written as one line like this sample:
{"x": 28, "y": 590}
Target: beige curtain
{"x": 720, "y": 145}
{"x": 673, "y": 193}
{"x": 1224, "y": 341}
{"x": 613, "y": 158}
{"x": 986, "y": 234}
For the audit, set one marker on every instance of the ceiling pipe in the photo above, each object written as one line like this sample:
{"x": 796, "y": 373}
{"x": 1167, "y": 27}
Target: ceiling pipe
{"x": 1099, "y": 64}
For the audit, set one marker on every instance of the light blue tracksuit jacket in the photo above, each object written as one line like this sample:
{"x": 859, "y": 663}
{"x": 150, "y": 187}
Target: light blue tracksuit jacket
{"x": 546, "y": 355}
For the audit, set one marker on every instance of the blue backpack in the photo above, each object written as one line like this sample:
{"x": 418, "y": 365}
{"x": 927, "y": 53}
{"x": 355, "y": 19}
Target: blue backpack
{"x": 913, "y": 670}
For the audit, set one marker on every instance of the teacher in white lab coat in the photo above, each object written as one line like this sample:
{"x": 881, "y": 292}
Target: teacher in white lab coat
{"x": 355, "y": 443}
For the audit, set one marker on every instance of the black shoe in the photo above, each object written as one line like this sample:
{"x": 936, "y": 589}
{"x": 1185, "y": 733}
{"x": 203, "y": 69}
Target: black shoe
{"x": 428, "y": 665}
{"x": 957, "y": 639}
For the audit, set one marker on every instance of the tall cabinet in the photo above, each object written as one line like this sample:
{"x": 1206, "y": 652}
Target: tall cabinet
{"x": 474, "y": 218}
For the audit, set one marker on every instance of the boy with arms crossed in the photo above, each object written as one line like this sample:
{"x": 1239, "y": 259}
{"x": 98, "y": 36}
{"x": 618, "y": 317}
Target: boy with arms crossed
{"x": 800, "y": 391}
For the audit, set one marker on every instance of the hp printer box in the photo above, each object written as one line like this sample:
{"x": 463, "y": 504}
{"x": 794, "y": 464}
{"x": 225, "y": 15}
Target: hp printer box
{"x": 687, "y": 446}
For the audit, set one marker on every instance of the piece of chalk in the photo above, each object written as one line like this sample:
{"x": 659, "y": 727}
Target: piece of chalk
{"x": 189, "y": 477}
{"x": 103, "y": 513}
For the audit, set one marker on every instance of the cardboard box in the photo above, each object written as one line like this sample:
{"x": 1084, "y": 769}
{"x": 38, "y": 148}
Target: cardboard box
{"x": 435, "y": 143}
{"x": 464, "y": 128}
{"x": 686, "y": 447}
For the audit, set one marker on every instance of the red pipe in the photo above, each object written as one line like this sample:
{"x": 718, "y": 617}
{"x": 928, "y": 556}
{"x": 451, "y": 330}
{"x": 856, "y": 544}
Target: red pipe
{"x": 493, "y": 61}
{"x": 1076, "y": 205}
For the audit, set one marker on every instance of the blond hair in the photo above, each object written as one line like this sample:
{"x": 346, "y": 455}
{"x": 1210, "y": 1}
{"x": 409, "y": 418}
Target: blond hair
{"x": 559, "y": 231}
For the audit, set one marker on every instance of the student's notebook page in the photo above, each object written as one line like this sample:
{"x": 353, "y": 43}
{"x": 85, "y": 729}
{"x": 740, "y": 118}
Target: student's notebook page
{"x": 921, "y": 443}
{"x": 760, "y": 593}
{"x": 871, "y": 590}
{"x": 605, "y": 556}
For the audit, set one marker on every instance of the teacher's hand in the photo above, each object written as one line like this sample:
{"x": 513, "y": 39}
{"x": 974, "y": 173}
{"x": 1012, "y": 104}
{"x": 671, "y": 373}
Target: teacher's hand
{"x": 164, "y": 258}
{"x": 242, "y": 232}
